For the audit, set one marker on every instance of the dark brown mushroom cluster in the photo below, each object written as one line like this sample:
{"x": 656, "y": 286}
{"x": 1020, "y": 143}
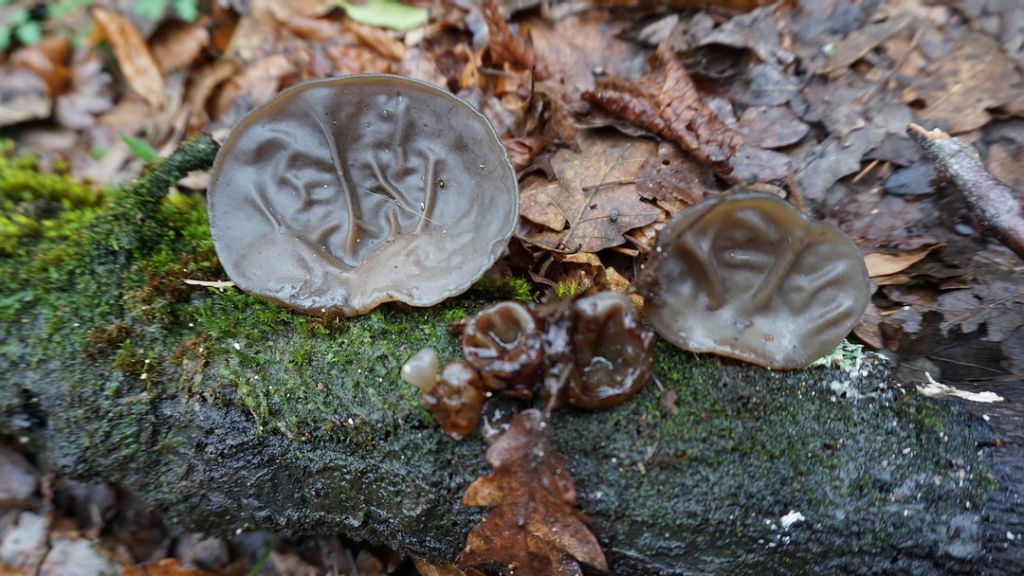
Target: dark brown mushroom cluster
{"x": 591, "y": 353}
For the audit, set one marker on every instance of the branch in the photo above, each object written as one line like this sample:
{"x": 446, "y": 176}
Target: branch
{"x": 993, "y": 203}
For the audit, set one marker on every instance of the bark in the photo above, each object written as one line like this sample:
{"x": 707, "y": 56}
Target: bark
{"x": 230, "y": 413}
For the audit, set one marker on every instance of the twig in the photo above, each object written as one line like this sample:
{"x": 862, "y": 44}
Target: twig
{"x": 995, "y": 204}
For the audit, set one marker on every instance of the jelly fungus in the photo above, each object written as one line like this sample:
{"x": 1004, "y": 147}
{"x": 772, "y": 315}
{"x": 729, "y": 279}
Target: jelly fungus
{"x": 341, "y": 194}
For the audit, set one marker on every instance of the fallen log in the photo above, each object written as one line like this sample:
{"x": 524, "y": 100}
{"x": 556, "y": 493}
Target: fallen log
{"x": 228, "y": 413}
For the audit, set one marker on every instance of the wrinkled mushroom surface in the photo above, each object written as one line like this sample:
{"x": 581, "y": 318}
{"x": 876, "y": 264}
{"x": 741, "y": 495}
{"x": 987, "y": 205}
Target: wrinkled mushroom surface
{"x": 613, "y": 353}
{"x": 341, "y": 194}
{"x": 452, "y": 395}
{"x": 748, "y": 276}
{"x": 503, "y": 342}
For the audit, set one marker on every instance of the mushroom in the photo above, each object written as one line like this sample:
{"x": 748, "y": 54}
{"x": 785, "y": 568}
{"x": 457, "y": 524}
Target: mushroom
{"x": 746, "y": 275}
{"x": 504, "y": 343}
{"x": 454, "y": 397}
{"x": 612, "y": 351}
{"x": 341, "y": 194}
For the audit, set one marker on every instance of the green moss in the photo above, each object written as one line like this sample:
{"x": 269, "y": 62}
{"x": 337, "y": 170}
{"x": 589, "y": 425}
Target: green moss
{"x": 569, "y": 288}
{"x": 503, "y": 289}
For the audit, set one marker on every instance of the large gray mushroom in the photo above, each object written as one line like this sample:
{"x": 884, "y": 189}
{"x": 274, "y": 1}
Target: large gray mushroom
{"x": 748, "y": 276}
{"x": 341, "y": 194}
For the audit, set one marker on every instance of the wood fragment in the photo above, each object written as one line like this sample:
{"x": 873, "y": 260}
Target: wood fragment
{"x": 995, "y": 205}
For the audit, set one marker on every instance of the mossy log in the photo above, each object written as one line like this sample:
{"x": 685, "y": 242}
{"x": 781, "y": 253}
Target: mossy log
{"x": 227, "y": 413}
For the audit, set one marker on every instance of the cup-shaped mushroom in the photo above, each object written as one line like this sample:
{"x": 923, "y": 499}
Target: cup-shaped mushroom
{"x": 613, "y": 352}
{"x": 456, "y": 399}
{"x": 341, "y": 194}
{"x": 504, "y": 343}
{"x": 746, "y": 275}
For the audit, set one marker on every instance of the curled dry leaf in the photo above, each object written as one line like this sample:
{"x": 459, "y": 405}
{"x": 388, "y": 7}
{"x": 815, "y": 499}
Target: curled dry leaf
{"x": 534, "y": 527}
{"x": 140, "y": 69}
{"x": 881, "y": 264}
{"x": 666, "y": 102}
{"x": 506, "y": 47}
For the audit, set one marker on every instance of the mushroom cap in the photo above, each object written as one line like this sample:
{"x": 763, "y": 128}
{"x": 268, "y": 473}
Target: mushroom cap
{"x": 613, "y": 352}
{"x": 340, "y": 194}
{"x": 748, "y": 276}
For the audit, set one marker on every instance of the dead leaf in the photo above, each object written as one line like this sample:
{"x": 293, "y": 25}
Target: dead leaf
{"x": 752, "y": 164}
{"x": 666, "y": 102}
{"x": 771, "y": 127}
{"x": 534, "y": 526}
{"x": 284, "y": 10}
{"x": 357, "y": 59}
{"x": 1006, "y": 162}
{"x": 521, "y": 151}
{"x": 674, "y": 179}
{"x": 437, "y": 567}
{"x": 178, "y": 44}
{"x": 48, "y": 59}
{"x": 765, "y": 85}
{"x": 859, "y": 42}
{"x": 958, "y": 89}
{"x": 595, "y": 198}
{"x": 90, "y": 95}
{"x": 506, "y": 47}
{"x": 165, "y": 567}
{"x": 837, "y": 156}
{"x": 257, "y": 83}
{"x": 24, "y": 95}
{"x": 757, "y": 31}
{"x": 140, "y": 70}
{"x": 577, "y": 47}
{"x": 737, "y": 5}
{"x": 880, "y": 264}
{"x": 378, "y": 39}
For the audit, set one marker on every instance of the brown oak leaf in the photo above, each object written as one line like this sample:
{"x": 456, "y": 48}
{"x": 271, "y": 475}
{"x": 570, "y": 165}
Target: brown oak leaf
{"x": 597, "y": 196}
{"x": 534, "y": 527}
{"x": 665, "y": 101}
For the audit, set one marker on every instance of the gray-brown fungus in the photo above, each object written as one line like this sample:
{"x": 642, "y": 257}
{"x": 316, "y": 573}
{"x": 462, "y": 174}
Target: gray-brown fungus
{"x": 341, "y": 194}
{"x": 747, "y": 276}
